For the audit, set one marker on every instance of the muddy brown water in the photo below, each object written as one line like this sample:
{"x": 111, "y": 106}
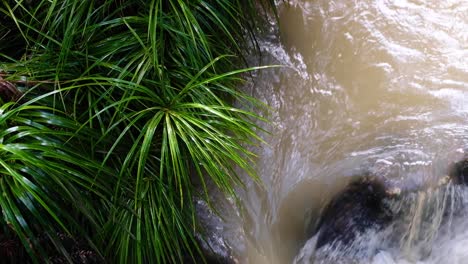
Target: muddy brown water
{"x": 369, "y": 86}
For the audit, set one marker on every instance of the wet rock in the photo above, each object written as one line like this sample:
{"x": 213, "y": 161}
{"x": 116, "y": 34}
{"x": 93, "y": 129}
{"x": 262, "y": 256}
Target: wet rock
{"x": 363, "y": 205}
{"x": 395, "y": 217}
{"x": 458, "y": 172}
{"x": 211, "y": 238}
{"x": 217, "y": 236}
{"x": 359, "y": 207}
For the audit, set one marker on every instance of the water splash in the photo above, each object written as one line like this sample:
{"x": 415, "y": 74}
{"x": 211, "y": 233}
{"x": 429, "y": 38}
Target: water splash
{"x": 375, "y": 86}
{"x": 430, "y": 227}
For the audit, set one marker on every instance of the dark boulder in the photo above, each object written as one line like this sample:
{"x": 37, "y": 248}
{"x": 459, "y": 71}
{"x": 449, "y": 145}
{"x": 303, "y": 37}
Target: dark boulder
{"x": 458, "y": 172}
{"x": 360, "y": 207}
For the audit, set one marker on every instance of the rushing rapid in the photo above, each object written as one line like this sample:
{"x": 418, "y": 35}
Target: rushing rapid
{"x": 373, "y": 86}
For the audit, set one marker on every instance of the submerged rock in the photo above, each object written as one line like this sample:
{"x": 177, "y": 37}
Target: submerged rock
{"x": 367, "y": 217}
{"x": 359, "y": 207}
{"x": 458, "y": 172}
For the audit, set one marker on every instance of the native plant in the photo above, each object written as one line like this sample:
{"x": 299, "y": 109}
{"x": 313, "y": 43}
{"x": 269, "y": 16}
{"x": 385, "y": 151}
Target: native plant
{"x": 121, "y": 104}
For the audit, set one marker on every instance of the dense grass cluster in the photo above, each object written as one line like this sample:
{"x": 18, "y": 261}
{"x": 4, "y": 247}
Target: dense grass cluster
{"x": 109, "y": 110}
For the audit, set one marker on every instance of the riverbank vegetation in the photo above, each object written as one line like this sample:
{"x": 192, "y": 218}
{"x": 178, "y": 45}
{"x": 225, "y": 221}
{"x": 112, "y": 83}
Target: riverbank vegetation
{"x": 109, "y": 112}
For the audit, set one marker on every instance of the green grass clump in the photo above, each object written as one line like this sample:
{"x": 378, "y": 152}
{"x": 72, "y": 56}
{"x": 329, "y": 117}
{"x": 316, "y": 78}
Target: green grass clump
{"x": 120, "y": 104}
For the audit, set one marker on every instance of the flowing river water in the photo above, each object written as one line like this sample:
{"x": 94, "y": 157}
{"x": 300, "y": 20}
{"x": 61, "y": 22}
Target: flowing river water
{"x": 377, "y": 86}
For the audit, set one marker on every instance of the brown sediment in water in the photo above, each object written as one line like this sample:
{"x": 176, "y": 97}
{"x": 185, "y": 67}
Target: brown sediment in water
{"x": 377, "y": 86}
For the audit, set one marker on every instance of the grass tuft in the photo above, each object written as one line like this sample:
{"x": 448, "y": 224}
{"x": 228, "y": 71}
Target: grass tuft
{"x": 119, "y": 106}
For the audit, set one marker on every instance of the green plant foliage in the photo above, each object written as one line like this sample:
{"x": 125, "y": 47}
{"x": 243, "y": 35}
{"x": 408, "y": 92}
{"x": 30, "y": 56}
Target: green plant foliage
{"x": 42, "y": 175}
{"x": 124, "y": 103}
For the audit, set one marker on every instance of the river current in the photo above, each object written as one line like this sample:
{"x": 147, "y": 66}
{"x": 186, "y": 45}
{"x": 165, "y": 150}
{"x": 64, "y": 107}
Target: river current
{"x": 373, "y": 86}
